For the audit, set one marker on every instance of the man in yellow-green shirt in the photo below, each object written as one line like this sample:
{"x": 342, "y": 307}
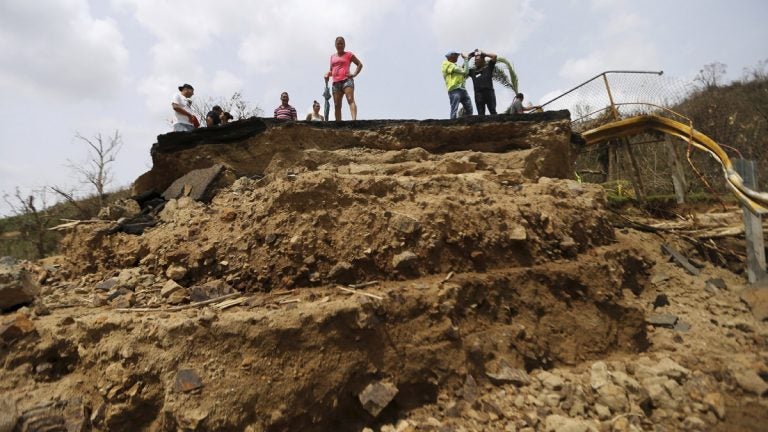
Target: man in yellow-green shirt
{"x": 455, "y": 77}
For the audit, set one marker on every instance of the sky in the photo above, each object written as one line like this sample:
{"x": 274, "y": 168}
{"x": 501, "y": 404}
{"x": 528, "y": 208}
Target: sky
{"x": 90, "y": 67}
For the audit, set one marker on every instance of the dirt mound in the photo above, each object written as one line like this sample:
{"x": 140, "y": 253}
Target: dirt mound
{"x": 381, "y": 285}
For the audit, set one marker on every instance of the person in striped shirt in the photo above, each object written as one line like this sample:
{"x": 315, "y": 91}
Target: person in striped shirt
{"x": 285, "y": 111}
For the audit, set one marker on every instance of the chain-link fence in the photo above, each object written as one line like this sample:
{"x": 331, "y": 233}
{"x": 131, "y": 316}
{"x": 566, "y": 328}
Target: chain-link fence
{"x": 614, "y": 95}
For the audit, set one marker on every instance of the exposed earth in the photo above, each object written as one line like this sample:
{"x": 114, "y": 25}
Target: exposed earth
{"x": 385, "y": 276}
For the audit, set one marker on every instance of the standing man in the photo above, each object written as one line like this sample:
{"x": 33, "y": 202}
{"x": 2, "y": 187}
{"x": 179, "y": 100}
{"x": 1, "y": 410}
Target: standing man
{"x": 482, "y": 81}
{"x": 455, "y": 77}
{"x": 285, "y": 111}
{"x": 213, "y": 118}
{"x": 182, "y": 108}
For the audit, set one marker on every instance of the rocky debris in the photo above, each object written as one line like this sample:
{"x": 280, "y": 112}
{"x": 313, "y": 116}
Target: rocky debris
{"x": 540, "y": 288}
{"x": 122, "y": 208}
{"x": 195, "y": 184}
{"x": 757, "y": 299}
{"x": 750, "y": 381}
{"x": 661, "y": 300}
{"x": 209, "y": 290}
{"x": 377, "y": 395}
{"x": 405, "y": 224}
{"x": 169, "y": 288}
{"x": 717, "y": 283}
{"x": 502, "y": 373}
{"x": 15, "y": 327}
{"x": 56, "y": 415}
{"x": 404, "y": 260}
{"x": 8, "y": 414}
{"x": 176, "y": 272}
{"x": 187, "y": 380}
{"x": 659, "y": 278}
{"x": 681, "y": 260}
{"x": 662, "y": 320}
{"x": 18, "y": 285}
{"x": 716, "y": 403}
{"x": 342, "y": 272}
{"x": 558, "y": 423}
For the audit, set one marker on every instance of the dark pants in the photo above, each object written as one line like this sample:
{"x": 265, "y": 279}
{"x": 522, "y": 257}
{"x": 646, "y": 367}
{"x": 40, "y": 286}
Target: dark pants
{"x": 483, "y": 98}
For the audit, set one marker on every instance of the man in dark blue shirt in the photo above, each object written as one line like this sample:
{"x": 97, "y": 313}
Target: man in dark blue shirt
{"x": 482, "y": 80}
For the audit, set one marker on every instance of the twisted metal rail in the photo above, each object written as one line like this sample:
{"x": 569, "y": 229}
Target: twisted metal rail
{"x": 757, "y": 202}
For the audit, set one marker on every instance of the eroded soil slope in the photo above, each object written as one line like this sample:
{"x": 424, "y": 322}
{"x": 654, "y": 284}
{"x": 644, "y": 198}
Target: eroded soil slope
{"x": 388, "y": 288}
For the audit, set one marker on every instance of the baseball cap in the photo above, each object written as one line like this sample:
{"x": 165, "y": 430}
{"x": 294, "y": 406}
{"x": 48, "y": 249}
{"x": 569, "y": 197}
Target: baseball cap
{"x": 183, "y": 86}
{"x": 451, "y": 53}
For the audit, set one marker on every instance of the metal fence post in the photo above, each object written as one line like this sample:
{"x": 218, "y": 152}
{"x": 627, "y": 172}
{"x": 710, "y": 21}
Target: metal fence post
{"x": 753, "y": 225}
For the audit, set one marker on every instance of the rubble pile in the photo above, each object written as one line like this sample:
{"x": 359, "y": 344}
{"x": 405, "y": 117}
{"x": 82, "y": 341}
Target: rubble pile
{"x": 381, "y": 276}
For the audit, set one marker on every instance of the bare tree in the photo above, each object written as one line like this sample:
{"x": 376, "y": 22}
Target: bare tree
{"x": 96, "y": 171}
{"x": 757, "y": 73}
{"x": 711, "y": 75}
{"x": 35, "y": 218}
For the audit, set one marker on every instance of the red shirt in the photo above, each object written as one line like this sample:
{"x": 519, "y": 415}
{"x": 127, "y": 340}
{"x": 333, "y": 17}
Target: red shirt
{"x": 340, "y": 66}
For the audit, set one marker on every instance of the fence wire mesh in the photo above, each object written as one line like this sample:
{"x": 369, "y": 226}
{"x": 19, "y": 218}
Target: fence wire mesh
{"x": 629, "y": 92}
{"x": 621, "y": 94}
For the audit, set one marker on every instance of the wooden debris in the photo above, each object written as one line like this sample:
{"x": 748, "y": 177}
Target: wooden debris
{"x": 363, "y": 285}
{"x": 182, "y": 307}
{"x": 229, "y": 303}
{"x": 73, "y": 223}
{"x": 363, "y": 293}
{"x": 447, "y": 278}
{"x": 683, "y": 261}
{"x": 289, "y": 301}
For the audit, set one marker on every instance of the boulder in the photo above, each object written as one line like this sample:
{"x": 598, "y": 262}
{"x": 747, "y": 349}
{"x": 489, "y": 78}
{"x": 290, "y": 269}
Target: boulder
{"x": 17, "y": 285}
{"x": 119, "y": 209}
{"x": 15, "y": 327}
{"x": 196, "y": 184}
{"x": 377, "y": 395}
{"x": 404, "y": 260}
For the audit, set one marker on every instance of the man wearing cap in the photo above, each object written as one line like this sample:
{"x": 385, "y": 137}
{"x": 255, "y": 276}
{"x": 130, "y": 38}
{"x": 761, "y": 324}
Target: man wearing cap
{"x": 455, "y": 77}
{"x": 182, "y": 108}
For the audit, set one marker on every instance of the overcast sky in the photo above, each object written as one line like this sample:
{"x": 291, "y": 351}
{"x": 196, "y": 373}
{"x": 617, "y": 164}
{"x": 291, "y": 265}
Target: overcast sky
{"x": 69, "y": 66}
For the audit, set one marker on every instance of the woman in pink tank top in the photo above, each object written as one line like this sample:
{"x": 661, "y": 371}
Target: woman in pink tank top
{"x": 343, "y": 78}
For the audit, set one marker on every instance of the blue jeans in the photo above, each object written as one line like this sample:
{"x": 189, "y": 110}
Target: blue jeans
{"x": 457, "y": 96}
{"x": 183, "y": 127}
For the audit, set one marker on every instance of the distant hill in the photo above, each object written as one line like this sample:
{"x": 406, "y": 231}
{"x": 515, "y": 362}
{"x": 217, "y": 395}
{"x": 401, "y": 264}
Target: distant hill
{"x": 735, "y": 115}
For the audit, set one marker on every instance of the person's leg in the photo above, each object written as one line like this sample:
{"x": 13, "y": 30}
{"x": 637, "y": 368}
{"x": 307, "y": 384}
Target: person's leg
{"x": 480, "y": 103}
{"x": 183, "y": 127}
{"x": 349, "y": 92}
{"x": 337, "y": 97}
{"x": 491, "y": 101}
{"x": 454, "y": 98}
{"x": 466, "y": 102}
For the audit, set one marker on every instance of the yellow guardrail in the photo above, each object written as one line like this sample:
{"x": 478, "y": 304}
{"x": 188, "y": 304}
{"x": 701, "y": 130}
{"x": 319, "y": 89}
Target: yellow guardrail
{"x": 757, "y": 202}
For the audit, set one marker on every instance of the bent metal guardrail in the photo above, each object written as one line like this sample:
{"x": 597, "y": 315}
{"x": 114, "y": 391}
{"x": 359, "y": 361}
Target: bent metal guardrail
{"x": 756, "y": 201}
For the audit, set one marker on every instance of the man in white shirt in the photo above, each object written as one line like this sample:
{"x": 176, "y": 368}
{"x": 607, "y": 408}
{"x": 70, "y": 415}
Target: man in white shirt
{"x": 182, "y": 108}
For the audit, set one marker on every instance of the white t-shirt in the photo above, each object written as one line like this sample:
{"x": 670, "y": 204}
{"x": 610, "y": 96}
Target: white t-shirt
{"x": 185, "y": 103}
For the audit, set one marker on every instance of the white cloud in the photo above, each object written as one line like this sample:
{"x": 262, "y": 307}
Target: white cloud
{"x": 226, "y": 83}
{"x": 495, "y": 25}
{"x": 59, "y": 48}
{"x": 620, "y": 44}
{"x": 267, "y": 41}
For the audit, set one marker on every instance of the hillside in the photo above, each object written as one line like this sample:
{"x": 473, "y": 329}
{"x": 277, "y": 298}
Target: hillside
{"x": 388, "y": 276}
